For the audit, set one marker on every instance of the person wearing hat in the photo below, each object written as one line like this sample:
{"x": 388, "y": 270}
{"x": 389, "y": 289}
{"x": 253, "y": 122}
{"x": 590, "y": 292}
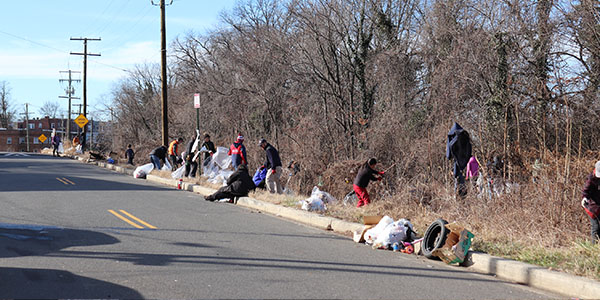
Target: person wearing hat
{"x": 237, "y": 150}
{"x": 591, "y": 193}
{"x": 273, "y": 166}
{"x": 209, "y": 145}
{"x": 366, "y": 174}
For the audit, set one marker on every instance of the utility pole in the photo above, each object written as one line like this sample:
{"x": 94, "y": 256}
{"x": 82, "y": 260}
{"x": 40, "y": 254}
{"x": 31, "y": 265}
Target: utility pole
{"x": 69, "y": 91}
{"x": 27, "y": 123}
{"x": 163, "y": 66}
{"x": 85, "y": 55}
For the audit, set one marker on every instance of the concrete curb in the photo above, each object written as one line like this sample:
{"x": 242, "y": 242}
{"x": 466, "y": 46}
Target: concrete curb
{"x": 519, "y": 272}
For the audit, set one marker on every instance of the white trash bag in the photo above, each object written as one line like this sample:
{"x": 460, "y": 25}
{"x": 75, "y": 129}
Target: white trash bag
{"x": 395, "y": 232}
{"x": 371, "y": 234}
{"x": 221, "y": 158}
{"x": 61, "y": 148}
{"x": 142, "y": 171}
{"x": 313, "y": 204}
{"x": 324, "y": 196}
{"x": 167, "y": 166}
{"x": 178, "y": 173}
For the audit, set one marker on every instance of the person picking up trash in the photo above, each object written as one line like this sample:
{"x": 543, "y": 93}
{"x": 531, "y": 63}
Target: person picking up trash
{"x": 237, "y": 150}
{"x": 191, "y": 166}
{"x": 239, "y": 184}
{"x": 273, "y": 166}
{"x": 366, "y": 174}
{"x": 591, "y": 201}
{"x": 158, "y": 154}
{"x": 174, "y": 153}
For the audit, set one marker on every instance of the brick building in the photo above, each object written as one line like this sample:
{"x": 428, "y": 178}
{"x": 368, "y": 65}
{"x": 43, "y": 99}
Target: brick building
{"x": 14, "y": 138}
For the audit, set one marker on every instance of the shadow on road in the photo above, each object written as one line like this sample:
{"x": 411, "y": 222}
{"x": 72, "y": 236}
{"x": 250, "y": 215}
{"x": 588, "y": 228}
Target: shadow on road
{"x": 23, "y": 182}
{"x": 25, "y": 283}
{"x": 17, "y": 240}
{"x": 28, "y": 240}
{"x": 254, "y": 264}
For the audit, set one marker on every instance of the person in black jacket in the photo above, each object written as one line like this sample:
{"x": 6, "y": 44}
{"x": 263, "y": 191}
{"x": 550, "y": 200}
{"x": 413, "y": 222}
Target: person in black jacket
{"x": 273, "y": 166}
{"x": 591, "y": 192}
{"x": 157, "y": 155}
{"x": 239, "y": 184}
{"x": 191, "y": 165}
{"x": 129, "y": 154}
{"x": 366, "y": 174}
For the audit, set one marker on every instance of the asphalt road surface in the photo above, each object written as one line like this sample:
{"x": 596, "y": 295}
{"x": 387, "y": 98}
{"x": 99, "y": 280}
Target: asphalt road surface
{"x": 71, "y": 230}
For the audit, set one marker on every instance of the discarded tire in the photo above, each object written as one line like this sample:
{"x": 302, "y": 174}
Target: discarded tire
{"x": 435, "y": 237}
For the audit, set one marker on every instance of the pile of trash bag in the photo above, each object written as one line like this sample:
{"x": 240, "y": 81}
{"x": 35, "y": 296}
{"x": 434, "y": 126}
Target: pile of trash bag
{"x": 317, "y": 201}
{"x": 387, "y": 232}
{"x": 215, "y": 167}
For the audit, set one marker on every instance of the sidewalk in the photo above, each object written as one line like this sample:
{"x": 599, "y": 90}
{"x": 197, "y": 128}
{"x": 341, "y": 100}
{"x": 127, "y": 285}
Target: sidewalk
{"x": 510, "y": 270}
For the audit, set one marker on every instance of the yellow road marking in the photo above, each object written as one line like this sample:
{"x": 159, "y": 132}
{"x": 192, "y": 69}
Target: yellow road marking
{"x": 125, "y": 219}
{"x": 61, "y": 180}
{"x": 135, "y": 218}
{"x": 69, "y": 181}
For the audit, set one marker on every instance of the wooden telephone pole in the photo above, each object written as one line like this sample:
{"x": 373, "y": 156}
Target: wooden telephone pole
{"x": 85, "y": 55}
{"x": 163, "y": 74}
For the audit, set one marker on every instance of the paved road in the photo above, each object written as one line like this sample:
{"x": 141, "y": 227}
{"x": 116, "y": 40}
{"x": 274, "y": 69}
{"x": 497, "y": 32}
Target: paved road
{"x": 70, "y": 230}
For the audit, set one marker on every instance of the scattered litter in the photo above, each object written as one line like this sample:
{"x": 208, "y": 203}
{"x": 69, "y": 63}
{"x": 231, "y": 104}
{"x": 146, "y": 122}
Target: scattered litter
{"x": 351, "y": 199}
{"x": 142, "y": 171}
{"x": 457, "y": 244}
{"x": 387, "y": 232}
{"x": 317, "y": 200}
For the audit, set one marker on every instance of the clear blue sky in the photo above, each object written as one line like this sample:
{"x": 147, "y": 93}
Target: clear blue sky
{"x": 35, "y": 42}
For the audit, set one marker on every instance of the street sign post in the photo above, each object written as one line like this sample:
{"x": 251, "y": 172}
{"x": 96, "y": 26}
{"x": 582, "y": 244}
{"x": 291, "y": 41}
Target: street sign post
{"x": 42, "y": 138}
{"x": 81, "y": 121}
{"x": 197, "y": 107}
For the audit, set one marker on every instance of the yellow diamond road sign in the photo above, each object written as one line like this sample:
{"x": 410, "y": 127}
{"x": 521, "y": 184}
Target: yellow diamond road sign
{"x": 81, "y": 121}
{"x": 42, "y": 138}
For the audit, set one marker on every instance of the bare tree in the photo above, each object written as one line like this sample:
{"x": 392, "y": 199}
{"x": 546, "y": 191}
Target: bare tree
{"x": 7, "y": 112}
{"x": 50, "y": 109}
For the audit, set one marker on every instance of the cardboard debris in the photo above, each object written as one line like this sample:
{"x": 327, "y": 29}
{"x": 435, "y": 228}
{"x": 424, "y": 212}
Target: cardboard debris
{"x": 458, "y": 243}
{"x": 370, "y": 222}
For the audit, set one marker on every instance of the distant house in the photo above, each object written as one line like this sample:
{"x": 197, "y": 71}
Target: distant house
{"x": 14, "y": 138}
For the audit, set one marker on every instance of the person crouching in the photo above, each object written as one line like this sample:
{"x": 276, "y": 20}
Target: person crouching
{"x": 239, "y": 184}
{"x": 366, "y": 174}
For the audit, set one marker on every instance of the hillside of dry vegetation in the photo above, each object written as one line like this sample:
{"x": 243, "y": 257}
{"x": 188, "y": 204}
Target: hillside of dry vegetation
{"x": 332, "y": 83}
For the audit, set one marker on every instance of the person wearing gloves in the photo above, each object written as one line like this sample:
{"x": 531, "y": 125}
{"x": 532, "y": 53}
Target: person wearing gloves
{"x": 237, "y": 150}
{"x": 591, "y": 201}
{"x": 273, "y": 166}
{"x": 366, "y": 174}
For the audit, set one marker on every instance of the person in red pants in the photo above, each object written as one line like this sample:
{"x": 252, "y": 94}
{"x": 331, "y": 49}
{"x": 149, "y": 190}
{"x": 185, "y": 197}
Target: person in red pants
{"x": 366, "y": 174}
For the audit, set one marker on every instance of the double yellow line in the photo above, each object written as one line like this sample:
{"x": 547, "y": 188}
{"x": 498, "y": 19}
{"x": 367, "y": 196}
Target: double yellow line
{"x": 65, "y": 181}
{"x": 130, "y": 222}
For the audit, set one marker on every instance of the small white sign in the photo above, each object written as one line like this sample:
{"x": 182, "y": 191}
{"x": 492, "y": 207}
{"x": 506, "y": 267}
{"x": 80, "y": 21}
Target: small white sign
{"x": 196, "y": 100}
